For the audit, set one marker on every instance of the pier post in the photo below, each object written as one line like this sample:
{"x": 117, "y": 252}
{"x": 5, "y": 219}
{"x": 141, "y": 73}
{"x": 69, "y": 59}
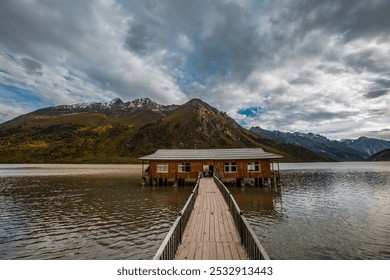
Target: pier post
{"x": 273, "y": 182}
{"x": 278, "y": 183}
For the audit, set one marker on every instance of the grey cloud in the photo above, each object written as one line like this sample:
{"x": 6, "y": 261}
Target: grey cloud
{"x": 303, "y": 78}
{"x": 137, "y": 38}
{"x": 224, "y": 35}
{"x": 232, "y": 46}
{"x": 156, "y": 24}
{"x": 377, "y": 93}
{"x": 321, "y": 116}
{"x": 31, "y": 66}
{"x": 383, "y": 83}
{"x": 350, "y": 18}
{"x": 381, "y": 134}
{"x": 380, "y": 87}
{"x": 367, "y": 60}
{"x": 41, "y": 29}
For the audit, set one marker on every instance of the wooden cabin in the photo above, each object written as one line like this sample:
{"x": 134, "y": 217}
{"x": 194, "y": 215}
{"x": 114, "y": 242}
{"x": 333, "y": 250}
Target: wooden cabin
{"x": 238, "y": 164}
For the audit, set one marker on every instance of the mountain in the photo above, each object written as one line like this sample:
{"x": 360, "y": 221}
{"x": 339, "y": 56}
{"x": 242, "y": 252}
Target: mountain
{"x": 380, "y": 156}
{"x": 332, "y": 149}
{"x": 120, "y": 131}
{"x": 368, "y": 146}
{"x": 87, "y": 132}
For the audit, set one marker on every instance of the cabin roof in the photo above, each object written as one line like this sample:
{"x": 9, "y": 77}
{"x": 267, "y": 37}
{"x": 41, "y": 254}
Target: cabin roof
{"x": 210, "y": 154}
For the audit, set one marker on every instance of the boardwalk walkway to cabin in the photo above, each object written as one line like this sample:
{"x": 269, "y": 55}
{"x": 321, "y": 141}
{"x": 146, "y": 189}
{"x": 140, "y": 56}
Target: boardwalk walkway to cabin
{"x": 210, "y": 233}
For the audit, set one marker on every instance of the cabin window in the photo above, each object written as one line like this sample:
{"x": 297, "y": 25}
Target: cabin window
{"x": 162, "y": 168}
{"x": 184, "y": 167}
{"x": 253, "y": 166}
{"x": 230, "y": 167}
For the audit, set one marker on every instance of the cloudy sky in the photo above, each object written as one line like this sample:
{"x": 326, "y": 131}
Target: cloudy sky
{"x": 311, "y": 66}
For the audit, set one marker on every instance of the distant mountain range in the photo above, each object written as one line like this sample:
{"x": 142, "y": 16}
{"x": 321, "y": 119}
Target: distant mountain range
{"x": 120, "y": 132}
{"x": 343, "y": 150}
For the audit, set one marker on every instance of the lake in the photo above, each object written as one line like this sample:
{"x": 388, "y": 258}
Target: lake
{"x": 322, "y": 211}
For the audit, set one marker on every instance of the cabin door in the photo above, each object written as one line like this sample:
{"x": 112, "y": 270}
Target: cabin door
{"x": 211, "y": 170}
{"x": 208, "y": 170}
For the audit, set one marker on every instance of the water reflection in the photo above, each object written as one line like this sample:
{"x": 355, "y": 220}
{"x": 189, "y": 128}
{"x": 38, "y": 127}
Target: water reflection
{"x": 257, "y": 199}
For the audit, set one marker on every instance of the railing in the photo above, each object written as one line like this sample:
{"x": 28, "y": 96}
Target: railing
{"x": 249, "y": 240}
{"x": 168, "y": 248}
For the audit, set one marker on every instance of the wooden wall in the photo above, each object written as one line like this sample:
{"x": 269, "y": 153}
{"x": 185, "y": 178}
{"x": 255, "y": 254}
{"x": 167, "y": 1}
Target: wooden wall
{"x": 197, "y": 166}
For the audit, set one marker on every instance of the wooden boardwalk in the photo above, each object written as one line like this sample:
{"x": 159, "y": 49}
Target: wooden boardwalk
{"x": 210, "y": 233}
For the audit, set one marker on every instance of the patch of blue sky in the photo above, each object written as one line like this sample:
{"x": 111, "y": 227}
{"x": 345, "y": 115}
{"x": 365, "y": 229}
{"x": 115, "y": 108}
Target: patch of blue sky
{"x": 13, "y": 96}
{"x": 251, "y": 112}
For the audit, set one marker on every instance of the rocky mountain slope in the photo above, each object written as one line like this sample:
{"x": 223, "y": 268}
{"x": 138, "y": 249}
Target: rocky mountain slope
{"x": 368, "y": 146}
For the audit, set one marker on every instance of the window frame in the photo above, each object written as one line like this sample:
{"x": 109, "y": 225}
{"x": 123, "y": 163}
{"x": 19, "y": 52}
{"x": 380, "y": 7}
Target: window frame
{"x": 162, "y": 167}
{"x": 253, "y": 166}
{"x": 184, "y": 167}
{"x": 230, "y": 167}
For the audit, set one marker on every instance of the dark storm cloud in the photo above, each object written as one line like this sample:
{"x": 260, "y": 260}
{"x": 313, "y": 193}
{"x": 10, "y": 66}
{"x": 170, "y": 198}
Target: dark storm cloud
{"x": 42, "y": 28}
{"x": 321, "y": 116}
{"x": 350, "y": 19}
{"x": 367, "y": 60}
{"x": 377, "y": 93}
{"x": 381, "y": 87}
{"x": 304, "y": 77}
{"x": 32, "y": 67}
{"x": 137, "y": 39}
{"x": 383, "y": 83}
{"x": 232, "y": 45}
{"x": 224, "y": 35}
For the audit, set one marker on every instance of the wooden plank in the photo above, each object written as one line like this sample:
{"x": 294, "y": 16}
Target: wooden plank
{"x": 220, "y": 251}
{"x": 182, "y": 252}
{"x": 242, "y": 253}
{"x": 191, "y": 251}
{"x": 234, "y": 251}
{"x": 212, "y": 237}
{"x": 221, "y": 226}
{"x": 206, "y": 250}
{"x": 226, "y": 251}
{"x": 229, "y": 235}
{"x": 206, "y": 228}
{"x": 217, "y": 233}
{"x": 198, "y": 250}
{"x": 233, "y": 230}
{"x": 213, "y": 250}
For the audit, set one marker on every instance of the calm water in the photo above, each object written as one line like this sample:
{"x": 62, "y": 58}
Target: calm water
{"x": 322, "y": 211}
{"x": 102, "y": 212}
